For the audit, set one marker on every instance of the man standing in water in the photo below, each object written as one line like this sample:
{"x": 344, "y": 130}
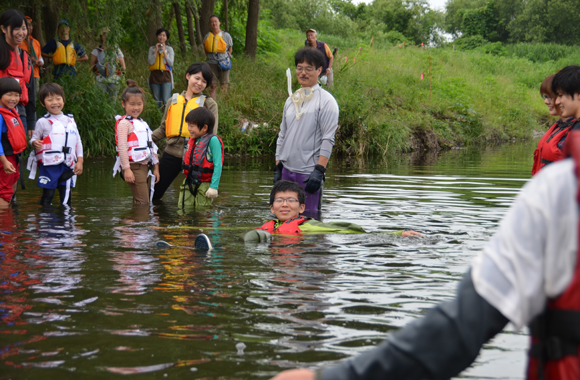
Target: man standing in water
{"x": 311, "y": 41}
{"x": 528, "y": 274}
{"x": 306, "y": 138}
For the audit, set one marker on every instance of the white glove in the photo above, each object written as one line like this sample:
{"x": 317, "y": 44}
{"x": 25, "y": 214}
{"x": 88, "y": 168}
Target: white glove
{"x": 211, "y": 193}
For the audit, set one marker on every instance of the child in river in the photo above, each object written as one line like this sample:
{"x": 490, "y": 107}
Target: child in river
{"x": 287, "y": 202}
{"x": 203, "y": 160}
{"x": 58, "y": 146}
{"x": 13, "y": 139}
{"x": 135, "y": 149}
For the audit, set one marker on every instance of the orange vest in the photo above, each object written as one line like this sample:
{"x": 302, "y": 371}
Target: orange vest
{"x": 215, "y": 43}
{"x": 35, "y": 45}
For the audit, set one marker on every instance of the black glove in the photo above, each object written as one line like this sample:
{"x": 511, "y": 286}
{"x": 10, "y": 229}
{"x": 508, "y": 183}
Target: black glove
{"x": 278, "y": 172}
{"x": 315, "y": 179}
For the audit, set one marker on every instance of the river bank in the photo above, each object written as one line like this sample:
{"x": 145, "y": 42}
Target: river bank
{"x": 392, "y": 99}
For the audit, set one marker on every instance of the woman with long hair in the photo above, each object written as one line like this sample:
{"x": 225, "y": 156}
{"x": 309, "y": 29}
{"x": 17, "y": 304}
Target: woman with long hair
{"x": 15, "y": 63}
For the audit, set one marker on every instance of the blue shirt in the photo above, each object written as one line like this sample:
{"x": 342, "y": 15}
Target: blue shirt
{"x": 4, "y": 129}
{"x": 63, "y": 69}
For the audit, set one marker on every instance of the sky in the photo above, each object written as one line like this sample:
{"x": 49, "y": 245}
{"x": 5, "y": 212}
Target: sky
{"x": 435, "y": 4}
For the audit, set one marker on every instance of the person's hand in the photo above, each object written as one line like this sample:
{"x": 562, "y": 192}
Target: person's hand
{"x": 156, "y": 174}
{"x": 411, "y": 233}
{"x": 37, "y": 145}
{"x": 315, "y": 179}
{"x": 295, "y": 374}
{"x": 257, "y": 236}
{"x": 9, "y": 168}
{"x": 30, "y": 133}
{"x": 328, "y": 71}
{"x": 278, "y": 172}
{"x": 128, "y": 175}
{"x": 211, "y": 193}
{"x": 78, "y": 168}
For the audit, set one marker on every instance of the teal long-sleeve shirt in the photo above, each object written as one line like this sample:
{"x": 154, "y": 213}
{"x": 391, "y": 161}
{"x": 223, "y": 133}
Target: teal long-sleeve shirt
{"x": 214, "y": 154}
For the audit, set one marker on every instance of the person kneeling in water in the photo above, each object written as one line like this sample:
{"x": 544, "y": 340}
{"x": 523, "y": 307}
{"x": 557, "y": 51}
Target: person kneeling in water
{"x": 287, "y": 202}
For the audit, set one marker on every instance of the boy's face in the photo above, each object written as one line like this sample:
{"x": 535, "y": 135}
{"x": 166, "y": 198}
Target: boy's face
{"x": 195, "y": 132}
{"x": 286, "y": 205}
{"x": 569, "y": 106}
{"x": 54, "y": 104}
{"x": 10, "y": 99}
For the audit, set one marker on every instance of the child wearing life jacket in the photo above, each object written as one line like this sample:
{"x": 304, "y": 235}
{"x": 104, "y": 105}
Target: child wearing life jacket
{"x": 58, "y": 148}
{"x": 135, "y": 149}
{"x": 13, "y": 140}
{"x": 203, "y": 160}
{"x": 287, "y": 202}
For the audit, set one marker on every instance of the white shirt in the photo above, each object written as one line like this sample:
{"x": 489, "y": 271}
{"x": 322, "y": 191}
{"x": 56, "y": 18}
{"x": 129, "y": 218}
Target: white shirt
{"x": 532, "y": 255}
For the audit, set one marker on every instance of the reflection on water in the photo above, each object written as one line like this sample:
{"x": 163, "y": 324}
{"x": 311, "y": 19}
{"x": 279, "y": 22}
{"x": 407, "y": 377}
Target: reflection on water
{"x": 86, "y": 293}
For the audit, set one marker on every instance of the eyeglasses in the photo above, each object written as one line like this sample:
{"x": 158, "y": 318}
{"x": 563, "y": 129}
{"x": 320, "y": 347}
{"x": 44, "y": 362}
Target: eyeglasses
{"x": 308, "y": 69}
{"x": 546, "y": 97}
{"x": 290, "y": 201}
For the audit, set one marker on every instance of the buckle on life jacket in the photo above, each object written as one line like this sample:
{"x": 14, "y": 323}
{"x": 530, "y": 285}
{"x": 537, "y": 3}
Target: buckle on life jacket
{"x": 66, "y": 149}
{"x": 150, "y": 144}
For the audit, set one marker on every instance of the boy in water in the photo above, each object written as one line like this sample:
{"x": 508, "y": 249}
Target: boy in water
{"x": 287, "y": 202}
{"x": 58, "y": 146}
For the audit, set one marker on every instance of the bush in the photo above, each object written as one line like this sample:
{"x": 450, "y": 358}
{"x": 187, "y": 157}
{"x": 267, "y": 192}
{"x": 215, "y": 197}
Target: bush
{"x": 470, "y": 43}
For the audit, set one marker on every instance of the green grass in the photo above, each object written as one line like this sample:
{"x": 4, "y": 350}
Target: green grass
{"x": 475, "y": 97}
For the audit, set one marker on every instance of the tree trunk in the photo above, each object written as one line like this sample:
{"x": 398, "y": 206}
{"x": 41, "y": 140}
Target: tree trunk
{"x": 226, "y": 24}
{"x": 198, "y": 34}
{"x": 38, "y": 31}
{"x": 207, "y": 9}
{"x": 190, "y": 27}
{"x": 50, "y": 17}
{"x": 252, "y": 28}
{"x": 180, "y": 30}
{"x": 155, "y": 20}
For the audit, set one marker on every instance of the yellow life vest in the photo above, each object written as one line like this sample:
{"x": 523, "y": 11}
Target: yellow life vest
{"x": 64, "y": 55}
{"x": 159, "y": 64}
{"x": 175, "y": 124}
{"x": 215, "y": 43}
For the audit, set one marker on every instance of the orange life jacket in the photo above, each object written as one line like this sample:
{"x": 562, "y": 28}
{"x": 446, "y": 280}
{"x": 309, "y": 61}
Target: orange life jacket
{"x": 289, "y": 227}
{"x": 15, "y": 140}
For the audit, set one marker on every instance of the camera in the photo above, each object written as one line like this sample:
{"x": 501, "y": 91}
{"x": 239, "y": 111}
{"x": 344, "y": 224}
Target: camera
{"x": 161, "y": 45}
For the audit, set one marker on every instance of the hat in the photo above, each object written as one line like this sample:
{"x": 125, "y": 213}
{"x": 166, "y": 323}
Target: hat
{"x": 29, "y": 19}
{"x": 311, "y": 30}
{"x": 63, "y": 22}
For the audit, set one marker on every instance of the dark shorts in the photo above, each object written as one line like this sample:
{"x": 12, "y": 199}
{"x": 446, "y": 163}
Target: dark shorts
{"x": 50, "y": 177}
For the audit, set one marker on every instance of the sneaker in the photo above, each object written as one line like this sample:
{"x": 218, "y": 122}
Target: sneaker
{"x": 202, "y": 242}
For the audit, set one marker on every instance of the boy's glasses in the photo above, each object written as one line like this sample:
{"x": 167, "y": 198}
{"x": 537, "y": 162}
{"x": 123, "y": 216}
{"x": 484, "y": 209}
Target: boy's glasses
{"x": 290, "y": 201}
{"x": 546, "y": 97}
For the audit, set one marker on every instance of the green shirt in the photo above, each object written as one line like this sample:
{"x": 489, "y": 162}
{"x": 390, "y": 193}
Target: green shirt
{"x": 214, "y": 154}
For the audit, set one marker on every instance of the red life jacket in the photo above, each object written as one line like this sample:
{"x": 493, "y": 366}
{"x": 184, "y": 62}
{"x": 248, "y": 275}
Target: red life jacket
{"x": 548, "y": 150}
{"x": 195, "y": 159}
{"x": 139, "y": 144}
{"x": 20, "y": 71}
{"x": 15, "y": 140}
{"x": 289, "y": 227}
{"x": 196, "y": 167}
{"x": 554, "y": 354}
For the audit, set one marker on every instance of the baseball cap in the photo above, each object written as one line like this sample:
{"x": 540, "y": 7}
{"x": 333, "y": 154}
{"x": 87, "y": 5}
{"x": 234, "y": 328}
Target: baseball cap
{"x": 63, "y": 22}
{"x": 311, "y": 30}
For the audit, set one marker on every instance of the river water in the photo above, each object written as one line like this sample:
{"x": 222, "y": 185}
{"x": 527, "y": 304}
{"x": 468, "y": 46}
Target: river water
{"x": 86, "y": 294}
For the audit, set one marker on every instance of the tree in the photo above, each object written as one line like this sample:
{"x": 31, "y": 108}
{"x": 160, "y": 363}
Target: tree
{"x": 155, "y": 20}
{"x": 180, "y": 30}
{"x": 190, "y": 27}
{"x": 207, "y": 9}
{"x": 252, "y": 28}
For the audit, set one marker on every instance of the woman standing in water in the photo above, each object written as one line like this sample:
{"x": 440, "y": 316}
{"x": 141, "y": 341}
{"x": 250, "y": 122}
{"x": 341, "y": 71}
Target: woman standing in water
{"x": 551, "y": 144}
{"x": 174, "y": 127}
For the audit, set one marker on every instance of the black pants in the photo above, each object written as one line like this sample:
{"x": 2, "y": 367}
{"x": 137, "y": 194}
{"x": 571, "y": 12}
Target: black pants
{"x": 169, "y": 169}
{"x": 48, "y": 195}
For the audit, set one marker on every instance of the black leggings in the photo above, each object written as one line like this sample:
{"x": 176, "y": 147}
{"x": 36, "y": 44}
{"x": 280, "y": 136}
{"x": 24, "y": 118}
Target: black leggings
{"x": 169, "y": 169}
{"x": 48, "y": 195}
